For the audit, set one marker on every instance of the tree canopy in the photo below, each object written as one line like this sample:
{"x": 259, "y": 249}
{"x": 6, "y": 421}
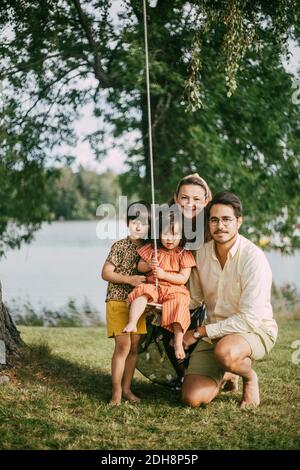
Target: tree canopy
{"x": 221, "y": 101}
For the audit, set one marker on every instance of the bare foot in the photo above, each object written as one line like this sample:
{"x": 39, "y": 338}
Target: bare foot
{"x": 115, "y": 400}
{"x": 250, "y": 392}
{"x": 179, "y": 351}
{"x": 230, "y": 382}
{"x": 131, "y": 397}
{"x": 130, "y": 328}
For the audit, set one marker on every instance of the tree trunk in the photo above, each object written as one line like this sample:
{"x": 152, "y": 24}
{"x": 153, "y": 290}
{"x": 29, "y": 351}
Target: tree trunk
{"x": 10, "y": 340}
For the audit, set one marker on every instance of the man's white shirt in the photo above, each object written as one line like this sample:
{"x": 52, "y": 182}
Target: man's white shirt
{"x": 237, "y": 298}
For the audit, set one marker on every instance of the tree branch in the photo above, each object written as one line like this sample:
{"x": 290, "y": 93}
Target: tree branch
{"x": 84, "y": 21}
{"x": 42, "y": 92}
{"x": 164, "y": 5}
{"x": 23, "y": 68}
{"x": 161, "y": 109}
{"x": 137, "y": 10}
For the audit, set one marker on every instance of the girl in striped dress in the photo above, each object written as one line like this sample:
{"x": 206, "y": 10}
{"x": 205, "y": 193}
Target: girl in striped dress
{"x": 172, "y": 269}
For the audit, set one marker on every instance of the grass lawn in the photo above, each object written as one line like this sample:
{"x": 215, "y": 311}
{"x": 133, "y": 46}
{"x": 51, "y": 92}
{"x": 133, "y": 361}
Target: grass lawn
{"x": 57, "y": 399}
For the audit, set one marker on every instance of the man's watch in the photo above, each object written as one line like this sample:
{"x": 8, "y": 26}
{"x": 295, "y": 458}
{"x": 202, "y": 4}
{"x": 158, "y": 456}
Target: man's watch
{"x": 196, "y": 334}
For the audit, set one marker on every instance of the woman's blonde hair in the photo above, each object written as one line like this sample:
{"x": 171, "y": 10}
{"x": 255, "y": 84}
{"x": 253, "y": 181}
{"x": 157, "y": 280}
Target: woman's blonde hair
{"x": 196, "y": 180}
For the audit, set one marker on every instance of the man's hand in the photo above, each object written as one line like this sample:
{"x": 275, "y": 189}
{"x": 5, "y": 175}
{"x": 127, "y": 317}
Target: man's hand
{"x": 189, "y": 339}
{"x": 136, "y": 280}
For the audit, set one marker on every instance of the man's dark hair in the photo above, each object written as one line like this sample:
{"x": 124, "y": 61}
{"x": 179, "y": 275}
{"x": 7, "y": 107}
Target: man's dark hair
{"x": 228, "y": 199}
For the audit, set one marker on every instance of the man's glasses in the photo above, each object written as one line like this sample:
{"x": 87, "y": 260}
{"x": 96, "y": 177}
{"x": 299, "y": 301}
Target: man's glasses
{"x": 214, "y": 221}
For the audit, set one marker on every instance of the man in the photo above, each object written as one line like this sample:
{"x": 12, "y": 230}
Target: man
{"x": 234, "y": 279}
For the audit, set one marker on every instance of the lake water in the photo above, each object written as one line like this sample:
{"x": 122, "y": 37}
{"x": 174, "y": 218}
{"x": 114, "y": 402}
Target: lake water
{"x": 65, "y": 260}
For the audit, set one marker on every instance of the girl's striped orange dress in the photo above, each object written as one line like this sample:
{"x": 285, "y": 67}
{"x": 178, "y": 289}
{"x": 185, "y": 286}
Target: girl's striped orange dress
{"x": 175, "y": 299}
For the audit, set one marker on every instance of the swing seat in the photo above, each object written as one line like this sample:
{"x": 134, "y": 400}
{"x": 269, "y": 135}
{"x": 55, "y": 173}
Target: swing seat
{"x": 154, "y": 305}
{"x": 153, "y": 309}
{"x": 156, "y": 358}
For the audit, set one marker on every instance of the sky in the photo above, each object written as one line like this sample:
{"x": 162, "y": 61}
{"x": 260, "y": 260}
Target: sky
{"x": 115, "y": 159}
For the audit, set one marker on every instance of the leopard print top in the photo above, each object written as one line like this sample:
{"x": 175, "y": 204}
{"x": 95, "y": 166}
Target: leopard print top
{"x": 124, "y": 256}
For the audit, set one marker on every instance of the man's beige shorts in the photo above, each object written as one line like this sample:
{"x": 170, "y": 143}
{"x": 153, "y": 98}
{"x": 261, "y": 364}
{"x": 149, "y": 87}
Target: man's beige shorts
{"x": 203, "y": 362}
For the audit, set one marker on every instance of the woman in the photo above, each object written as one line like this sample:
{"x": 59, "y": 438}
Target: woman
{"x": 156, "y": 358}
{"x": 192, "y": 196}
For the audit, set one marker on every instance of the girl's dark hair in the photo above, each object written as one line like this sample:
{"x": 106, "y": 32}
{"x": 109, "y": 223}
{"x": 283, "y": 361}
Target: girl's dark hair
{"x": 168, "y": 217}
{"x": 140, "y": 210}
{"x": 228, "y": 199}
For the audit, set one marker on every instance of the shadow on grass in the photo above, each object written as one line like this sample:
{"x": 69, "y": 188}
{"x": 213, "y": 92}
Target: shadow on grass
{"x": 39, "y": 365}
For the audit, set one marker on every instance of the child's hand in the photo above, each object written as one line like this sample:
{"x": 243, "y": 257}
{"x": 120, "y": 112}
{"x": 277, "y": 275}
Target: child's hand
{"x": 153, "y": 264}
{"x": 136, "y": 280}
{"x": 149, "y": 264}
{"x": 159, "y": 273}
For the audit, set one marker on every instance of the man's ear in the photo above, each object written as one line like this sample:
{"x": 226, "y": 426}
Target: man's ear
{"x": 240, "y": 221}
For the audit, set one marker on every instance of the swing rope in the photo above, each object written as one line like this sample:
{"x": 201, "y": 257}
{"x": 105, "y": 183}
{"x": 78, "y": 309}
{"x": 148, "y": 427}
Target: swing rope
{"x": 150, "y": 135}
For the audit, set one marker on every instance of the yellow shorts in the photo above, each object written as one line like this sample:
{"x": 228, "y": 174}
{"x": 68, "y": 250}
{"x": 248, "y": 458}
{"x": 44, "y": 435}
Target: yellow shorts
{"x": 117, "y": 316}
{"x": 203, "y": 361}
